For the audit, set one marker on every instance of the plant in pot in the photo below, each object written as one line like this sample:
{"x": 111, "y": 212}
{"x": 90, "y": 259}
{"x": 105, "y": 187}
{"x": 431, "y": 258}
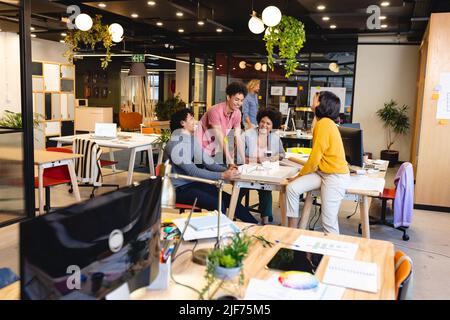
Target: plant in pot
{"x": 13, "y": 120}
{"x": 225, "y": 263}
{"x": 396, "y": 122}
{"x": 288, "y": 36}
{"x": 165, "y": 109}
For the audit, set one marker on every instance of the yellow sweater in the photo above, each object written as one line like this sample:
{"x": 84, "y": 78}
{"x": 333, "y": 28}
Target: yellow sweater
{"x": 327, "y": 153}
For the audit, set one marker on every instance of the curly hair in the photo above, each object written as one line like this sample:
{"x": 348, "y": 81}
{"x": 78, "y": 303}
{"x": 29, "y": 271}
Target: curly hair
{"x": 273, "y": 114}
{"x": 236, "y": 87}
{"x": 177, "y": 117}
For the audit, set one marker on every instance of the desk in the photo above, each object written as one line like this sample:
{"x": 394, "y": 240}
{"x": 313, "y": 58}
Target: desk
{"x": 132, "y": 141}
{"x": 47, "y": 159}
{"x": 290, "y": 139}
{"x": 362, "y": 192}
{"x": 187, "y": 272}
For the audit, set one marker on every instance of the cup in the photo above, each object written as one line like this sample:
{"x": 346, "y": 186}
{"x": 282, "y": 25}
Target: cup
{"x": 96, "y": 281}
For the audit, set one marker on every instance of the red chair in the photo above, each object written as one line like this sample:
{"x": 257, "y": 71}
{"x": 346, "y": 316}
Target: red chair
{"x": 53, "y": 176}
{"x": 180, "y": 206}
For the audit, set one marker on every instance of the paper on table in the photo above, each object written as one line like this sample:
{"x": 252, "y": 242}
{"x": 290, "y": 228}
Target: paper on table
{"x": 443, "y": 105}
{"x": 353, "y": 274}
{"x": 121, "y": 293}
{"x": 326, "y": 247}
{"x": 192, "y": 234}
{"x": 271, "y": 289}
{"x": 366, "y": 183}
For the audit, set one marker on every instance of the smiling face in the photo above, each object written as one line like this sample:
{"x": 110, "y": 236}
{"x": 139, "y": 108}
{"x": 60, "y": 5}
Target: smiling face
{"x": 265, "y": 125}
{"x": 189, "y": 123}
{"x": 235, "y": 102}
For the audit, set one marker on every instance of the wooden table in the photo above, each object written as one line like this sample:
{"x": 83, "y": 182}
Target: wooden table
{"x": 132, "y": 141}
{"x": 47, "y": 159}
{"x": 186, "y": 272}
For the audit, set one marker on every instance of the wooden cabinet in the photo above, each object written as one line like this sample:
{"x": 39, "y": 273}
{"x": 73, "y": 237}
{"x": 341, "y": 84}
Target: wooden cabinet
{"x": 430, "y": 149}
{"x": 54, "y": 99}
{"x": 86, "y": 117}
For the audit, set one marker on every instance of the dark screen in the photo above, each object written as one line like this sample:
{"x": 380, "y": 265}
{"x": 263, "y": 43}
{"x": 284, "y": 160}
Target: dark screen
{"x": 353, "y": 145}
{"x": 79, "y": 236}
{"x": 295, "y": 260}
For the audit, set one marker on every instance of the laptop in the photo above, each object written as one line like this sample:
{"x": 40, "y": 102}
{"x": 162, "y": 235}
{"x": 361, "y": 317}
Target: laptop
{"x": 105, "y": 131}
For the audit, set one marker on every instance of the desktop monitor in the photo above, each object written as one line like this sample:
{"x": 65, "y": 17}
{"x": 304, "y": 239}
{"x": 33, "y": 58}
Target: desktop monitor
{"x": 352, "y": 139}
{"x": 87, "y": 250}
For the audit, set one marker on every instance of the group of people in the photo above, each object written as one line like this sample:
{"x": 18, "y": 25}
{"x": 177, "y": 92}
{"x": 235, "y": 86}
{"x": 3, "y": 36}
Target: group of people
{"x": 215, "y": 148}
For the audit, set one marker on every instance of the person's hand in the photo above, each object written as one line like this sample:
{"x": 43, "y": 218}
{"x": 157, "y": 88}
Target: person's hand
{"x": 230, "y": 174}
{"x": 290, "y": 179}
{"x": 232, "y": 166}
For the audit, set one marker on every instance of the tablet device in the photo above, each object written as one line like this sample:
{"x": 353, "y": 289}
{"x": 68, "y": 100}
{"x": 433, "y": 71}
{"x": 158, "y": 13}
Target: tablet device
{"x": 295, "y": 260}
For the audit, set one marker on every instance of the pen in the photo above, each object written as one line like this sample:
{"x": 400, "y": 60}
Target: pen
{"x": 286, "y": 243}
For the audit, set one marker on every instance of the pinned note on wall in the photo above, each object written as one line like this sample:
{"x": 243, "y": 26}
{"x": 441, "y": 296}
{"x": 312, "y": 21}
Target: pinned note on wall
{"x": 443, "y": 104}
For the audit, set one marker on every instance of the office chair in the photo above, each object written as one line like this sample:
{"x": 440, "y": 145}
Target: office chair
{"x": 52, "y": 177}
{"x": 403, "y": 276}
{"x": 88, "y": 168}
{"x": 130, "y": 121}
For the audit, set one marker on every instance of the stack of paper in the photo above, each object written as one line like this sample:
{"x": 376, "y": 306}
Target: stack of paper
{"x": 193, "y": 234}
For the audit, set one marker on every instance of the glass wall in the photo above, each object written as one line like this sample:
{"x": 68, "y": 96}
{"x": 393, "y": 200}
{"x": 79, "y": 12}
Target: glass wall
{"x": 315, "y": 72}
{"x": 12, "y": 194}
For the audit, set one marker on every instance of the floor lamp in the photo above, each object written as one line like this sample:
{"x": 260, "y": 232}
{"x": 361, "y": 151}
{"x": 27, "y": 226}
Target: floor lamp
{"x": 168, "y": 200}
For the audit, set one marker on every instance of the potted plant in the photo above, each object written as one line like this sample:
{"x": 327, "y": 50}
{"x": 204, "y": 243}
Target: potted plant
{"x": 396, "y": 122}
{"x": 288, "y": 36}
{"x": 165, "y": 109}
{"x": 99, "y": 33}
{"x": 225, "y": 263}
{"x": 13, "y": 120}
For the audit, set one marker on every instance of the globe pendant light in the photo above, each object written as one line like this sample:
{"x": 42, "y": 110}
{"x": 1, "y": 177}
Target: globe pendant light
{"x": 116, "y": 31}
{"x": 271, "y": 16}
{"x": 83, "y": 22}
{"x": 258, "y": 66}
{"x": 255, "y": 24}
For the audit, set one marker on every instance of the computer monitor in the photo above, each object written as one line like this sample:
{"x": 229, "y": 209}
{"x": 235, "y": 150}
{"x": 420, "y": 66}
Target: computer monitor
{"x": 352, "y": 139}
{"x": 87, "y": 250}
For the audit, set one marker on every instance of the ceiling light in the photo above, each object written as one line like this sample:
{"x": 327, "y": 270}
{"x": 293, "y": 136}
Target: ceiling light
{"x": 83, "y": 22}
{"x": 134, "y": 15}
{"x": 258, "y": 66}
{"x": 166, "y": 45}
{"x": 102, "y": 5}
{"x": 384, "y": 26}
{"x": 334, "y": 67}
{"x": 180, "y": 30}
{"x": 219, "y": 30}
{"x": 271, "y": 16}
{"x": 179, "y": 14}
{"x": 220, "y": 65}
{"x": 62, "y": 41}
{"x": 264, "y": 67}
{"x": 242, "y": 64}
{"x": 33, "y": 35}
{"x": 333, "y": 26}
{"x": 32, "y": 28}
{"x": 255, "y": 24}
{"x": 200, "y": 23}
{"x": 234, "y": 68}
{"x": 116, "y": 31}
{"x": 171, "y": 47}
{"x": 151, "y": 3}
{"x": 385, "y": 3}
{"x": 321, "y": 7}
{"x": 325, "y": 18}
{"x": 63, "y": 34}
{"x": 382, "y": 17}
{"x": 159, "y": 23}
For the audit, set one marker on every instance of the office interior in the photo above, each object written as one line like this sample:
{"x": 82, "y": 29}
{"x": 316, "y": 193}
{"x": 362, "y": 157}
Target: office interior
{"x": 187, "y": 52}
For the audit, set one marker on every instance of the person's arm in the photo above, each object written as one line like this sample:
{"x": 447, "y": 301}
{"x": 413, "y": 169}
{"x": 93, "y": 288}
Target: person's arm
{"x": 219, "y": 140}
{"x": 321, "y": 143}
{"x": 239, "y": 143}
{"x": 245, "y": 113}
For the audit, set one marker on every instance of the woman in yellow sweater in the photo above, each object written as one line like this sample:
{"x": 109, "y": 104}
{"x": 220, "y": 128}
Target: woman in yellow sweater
{"x": 326, "y": 168}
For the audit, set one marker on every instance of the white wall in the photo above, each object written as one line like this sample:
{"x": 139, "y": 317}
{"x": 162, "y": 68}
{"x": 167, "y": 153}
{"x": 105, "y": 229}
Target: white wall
{"x": 42, "y": 50}
{"x": 384, "y": 72}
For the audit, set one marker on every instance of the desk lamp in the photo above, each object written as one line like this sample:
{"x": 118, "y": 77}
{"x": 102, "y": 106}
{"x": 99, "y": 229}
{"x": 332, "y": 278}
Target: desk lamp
{"x": 168, "y": 202}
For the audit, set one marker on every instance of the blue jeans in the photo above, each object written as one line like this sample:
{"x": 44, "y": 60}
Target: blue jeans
{"x": 265, "y": 202}
{"x": 207, "y": 197}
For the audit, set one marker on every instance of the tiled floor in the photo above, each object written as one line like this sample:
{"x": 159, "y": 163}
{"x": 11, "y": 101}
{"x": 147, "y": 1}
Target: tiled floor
{"x": 428, "y": 247}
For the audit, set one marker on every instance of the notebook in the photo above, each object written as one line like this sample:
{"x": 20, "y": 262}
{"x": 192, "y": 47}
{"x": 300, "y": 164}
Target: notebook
{"x": 105, "y": 131}
{"x": 208, "y": 222}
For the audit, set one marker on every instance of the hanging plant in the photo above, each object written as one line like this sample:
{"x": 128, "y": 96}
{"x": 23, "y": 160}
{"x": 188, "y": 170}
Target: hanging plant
{"x": 288, "y": 36}
{"x": 98, "y": 33}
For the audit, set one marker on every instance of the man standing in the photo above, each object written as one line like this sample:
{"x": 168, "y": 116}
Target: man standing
{"x": 250, "y": 106}
{"x": 221, "y": 124}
